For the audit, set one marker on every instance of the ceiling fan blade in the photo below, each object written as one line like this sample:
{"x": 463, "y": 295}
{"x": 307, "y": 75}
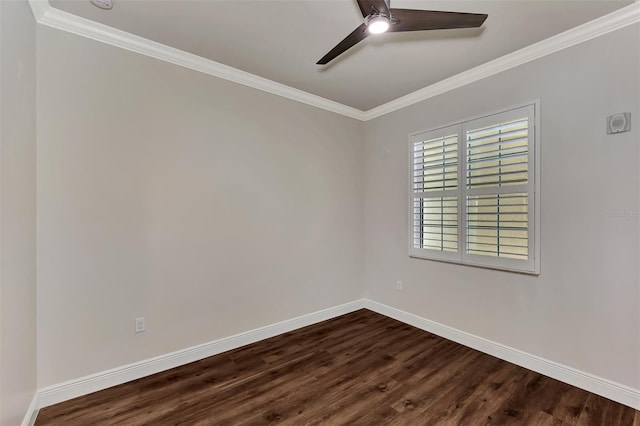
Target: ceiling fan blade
{"x": 418, "y": 20}
{"x": 367, "y": 5}
{"x": 351, "y": 40}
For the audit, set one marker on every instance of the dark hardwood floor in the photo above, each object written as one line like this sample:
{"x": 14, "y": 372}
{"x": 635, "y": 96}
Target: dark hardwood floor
{"x": 359, "y": 369}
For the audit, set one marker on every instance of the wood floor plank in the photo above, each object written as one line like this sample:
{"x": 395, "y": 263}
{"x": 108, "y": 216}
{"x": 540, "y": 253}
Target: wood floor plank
{"x": 451, "y": 405}
{"x": 514, "y": 409}
{"x": 427, "y": 398}
{"x": 570, "y": 406}
{"x": 497, "y": 391}
{"x": 358, "y": 369}
{"x": 600, "y": 411}
{"x": 541, "y": 418}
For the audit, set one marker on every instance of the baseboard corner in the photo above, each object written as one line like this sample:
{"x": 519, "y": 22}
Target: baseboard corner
{"x": 32, "y": 411}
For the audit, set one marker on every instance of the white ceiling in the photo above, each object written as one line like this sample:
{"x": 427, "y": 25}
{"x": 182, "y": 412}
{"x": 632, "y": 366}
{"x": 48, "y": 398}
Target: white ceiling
{"x": 281, "y": 40}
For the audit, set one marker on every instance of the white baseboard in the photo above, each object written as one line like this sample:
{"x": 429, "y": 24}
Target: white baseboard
{"x": 116, "y": 376}
{"x": 614, "y": 391}
{"x": 32, "y": 411}
{"x": 95, "y": 382}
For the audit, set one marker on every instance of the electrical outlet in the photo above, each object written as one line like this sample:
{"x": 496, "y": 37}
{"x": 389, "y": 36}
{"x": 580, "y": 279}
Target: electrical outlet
{"x": 399, "y": 285}
{"x": 139, "y": 325}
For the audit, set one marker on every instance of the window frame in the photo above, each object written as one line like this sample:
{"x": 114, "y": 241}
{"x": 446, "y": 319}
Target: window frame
{"x": 532, "y": 188}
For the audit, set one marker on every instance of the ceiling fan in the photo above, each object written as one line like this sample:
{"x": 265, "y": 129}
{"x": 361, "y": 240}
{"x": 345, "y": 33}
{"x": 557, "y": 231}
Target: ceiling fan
{"x": 379, "y": 18}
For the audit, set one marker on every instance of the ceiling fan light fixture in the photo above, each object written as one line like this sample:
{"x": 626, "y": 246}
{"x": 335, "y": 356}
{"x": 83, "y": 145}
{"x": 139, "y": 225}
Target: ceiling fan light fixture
{"x": 379, "y": 17}
{"x": 378, "y": 24}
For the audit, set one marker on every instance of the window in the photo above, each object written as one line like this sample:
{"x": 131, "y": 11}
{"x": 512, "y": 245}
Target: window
{"x": 473, "y": 194}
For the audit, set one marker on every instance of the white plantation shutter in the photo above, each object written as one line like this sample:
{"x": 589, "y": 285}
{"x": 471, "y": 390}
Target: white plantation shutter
{"x": 436, "y": 223}
{"x": 497, "y": 191}
{"x": 498, "y": 155}
{"x": 435, "y": 164}
{"x": 497, "y": 225}
{"x": 478, "y": 177}
{"x": 434, "y": 193}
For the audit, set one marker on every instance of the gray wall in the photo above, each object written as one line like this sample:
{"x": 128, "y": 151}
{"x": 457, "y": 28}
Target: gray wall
{"x": 583, "y": 309}
{"x": 207, "y": 207}
{"x": 17, "y": 211}
{"x": 211, "y": 209}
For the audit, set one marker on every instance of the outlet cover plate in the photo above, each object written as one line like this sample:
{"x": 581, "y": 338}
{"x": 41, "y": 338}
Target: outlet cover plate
{"x": 139, "y": 325}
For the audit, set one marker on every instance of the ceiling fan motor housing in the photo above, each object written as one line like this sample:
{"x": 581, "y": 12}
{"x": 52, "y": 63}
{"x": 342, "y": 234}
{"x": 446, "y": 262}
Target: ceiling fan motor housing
{"x": 102, "y": 4}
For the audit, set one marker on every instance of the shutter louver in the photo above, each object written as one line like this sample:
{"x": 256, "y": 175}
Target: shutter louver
{"x": 435, "y": 223}
{"x": 498, "y": 155}
{"x": 435, "y": 164}
{"x": 497, "y": 224}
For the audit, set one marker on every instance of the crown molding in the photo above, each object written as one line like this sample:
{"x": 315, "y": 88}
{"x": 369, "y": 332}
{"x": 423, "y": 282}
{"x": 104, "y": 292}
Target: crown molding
{"x": 613, "y": 21}
{"x": 39, "y": 8}
{"x": 61, "y": 20}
